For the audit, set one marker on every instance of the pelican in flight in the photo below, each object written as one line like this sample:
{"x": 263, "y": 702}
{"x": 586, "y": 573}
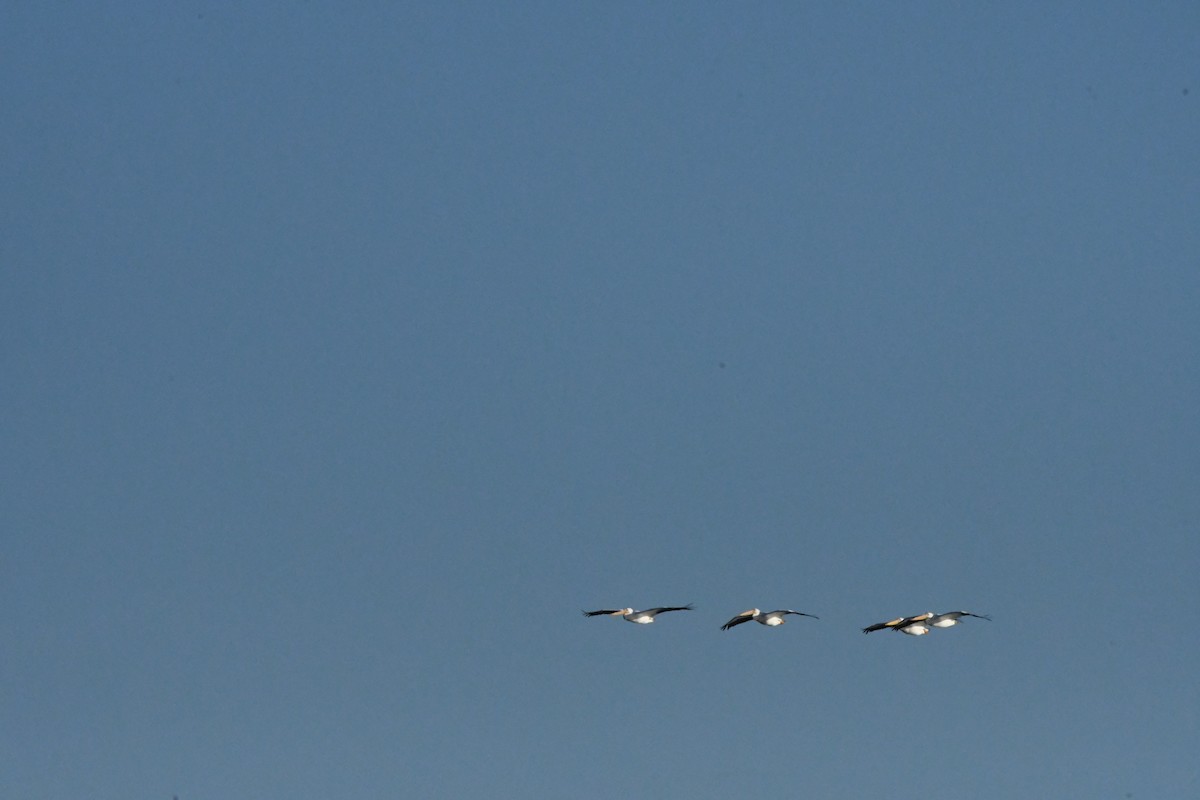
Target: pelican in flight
{"x": 921, "y": 624}
{"x": 952, "y": 618}
{"x": 914, "y": 626}
{"x": 640, "y": 617}
{"x": 769, "y": 618}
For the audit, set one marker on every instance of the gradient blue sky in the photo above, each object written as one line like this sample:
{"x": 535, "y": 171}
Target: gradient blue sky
{"x": 349, "y": 351}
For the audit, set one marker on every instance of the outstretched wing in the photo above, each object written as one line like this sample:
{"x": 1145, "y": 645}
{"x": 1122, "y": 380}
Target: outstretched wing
{"x": 656, "y": 611}
{"x": 878, "y": 626}
{"x": 797, "y": 613}
{"x": 976, "y": 616}
{"x": 738, "y": 620}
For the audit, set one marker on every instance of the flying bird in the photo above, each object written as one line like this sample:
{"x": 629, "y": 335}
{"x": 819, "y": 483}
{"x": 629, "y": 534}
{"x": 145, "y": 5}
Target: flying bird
{"x": 914, "y": 626}
{"x": 921, "y": 624}
{"x": 769, "y": 618}
{"x": 952, "y": 618}
{"x": 640, "y": 617}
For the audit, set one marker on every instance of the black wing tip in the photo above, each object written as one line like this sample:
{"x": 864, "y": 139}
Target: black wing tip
{"x": 786, "y": 611}
{"x": 988, "y": 617}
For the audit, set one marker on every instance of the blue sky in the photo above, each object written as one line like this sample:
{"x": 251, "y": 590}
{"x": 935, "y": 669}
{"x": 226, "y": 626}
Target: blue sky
{"x": 349, "y": 352}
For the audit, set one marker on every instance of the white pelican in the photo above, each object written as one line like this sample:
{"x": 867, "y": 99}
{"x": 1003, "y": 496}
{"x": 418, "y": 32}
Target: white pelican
{"x": 768, "y": 618}
{"x": 951, "y": 618}
{"x": 914, "y": 626}
{"x": 640, "y": 617}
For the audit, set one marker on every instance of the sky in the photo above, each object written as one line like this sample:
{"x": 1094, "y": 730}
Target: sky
{"x": 349, "y": 351}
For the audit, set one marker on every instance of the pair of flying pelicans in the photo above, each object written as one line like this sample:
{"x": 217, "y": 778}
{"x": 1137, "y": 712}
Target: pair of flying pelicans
{"x": 917, "y": 625}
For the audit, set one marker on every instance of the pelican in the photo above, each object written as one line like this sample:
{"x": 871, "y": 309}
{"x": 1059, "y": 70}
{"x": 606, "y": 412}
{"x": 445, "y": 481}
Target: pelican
{"x": 951, "y": 618}
{"x": 640, "y": 617}
{"x": 914, "y": 626}
{"x": 769, "y": 618}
